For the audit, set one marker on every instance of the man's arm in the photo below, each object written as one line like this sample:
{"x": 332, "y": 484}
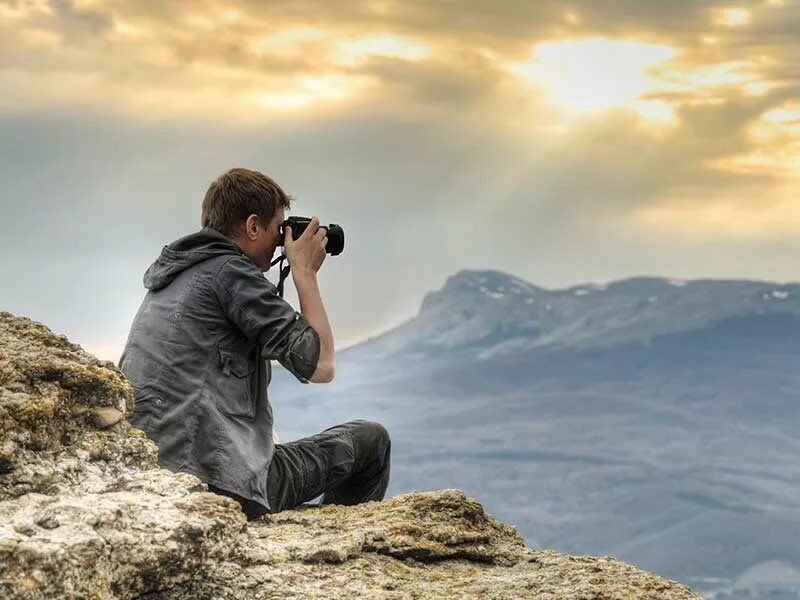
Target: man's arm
{"x": 306, "y": 255}
{"x": 313, "y": 310}
{"x": 252, "y": 303}
{"x": 301, "y": 341}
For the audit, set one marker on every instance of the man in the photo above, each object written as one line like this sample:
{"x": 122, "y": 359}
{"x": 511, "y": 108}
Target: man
{"x": 199, "y": 350}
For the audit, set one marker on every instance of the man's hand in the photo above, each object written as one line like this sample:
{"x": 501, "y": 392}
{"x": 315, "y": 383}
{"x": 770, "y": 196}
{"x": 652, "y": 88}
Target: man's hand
{"x": 307, "y": 253}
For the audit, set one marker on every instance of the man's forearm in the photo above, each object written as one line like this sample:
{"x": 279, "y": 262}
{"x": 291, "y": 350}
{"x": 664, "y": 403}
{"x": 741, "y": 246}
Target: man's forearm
{"x": 313, "y": 310}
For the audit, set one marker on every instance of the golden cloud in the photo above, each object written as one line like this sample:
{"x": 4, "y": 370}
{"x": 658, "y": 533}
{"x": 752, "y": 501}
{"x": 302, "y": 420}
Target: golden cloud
{"x": 774, "y": 145}
{"x": 754, "y": 212}
{"x": 526, "y": 68}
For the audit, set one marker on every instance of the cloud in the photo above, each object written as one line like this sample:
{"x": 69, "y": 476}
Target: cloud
{"x": 696, "y": 75}
{"x": 586, "y": 140}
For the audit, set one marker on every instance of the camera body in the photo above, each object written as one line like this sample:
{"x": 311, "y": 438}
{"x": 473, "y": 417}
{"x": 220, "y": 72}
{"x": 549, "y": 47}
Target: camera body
{"x": 335, "y": 233}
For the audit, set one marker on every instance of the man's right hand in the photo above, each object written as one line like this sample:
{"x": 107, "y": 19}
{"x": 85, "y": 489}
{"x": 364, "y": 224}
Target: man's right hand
{"x": 307, "y": 253}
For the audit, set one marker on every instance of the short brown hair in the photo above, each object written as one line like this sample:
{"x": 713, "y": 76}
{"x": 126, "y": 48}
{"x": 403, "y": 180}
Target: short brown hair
{"x": 237, "y": 194}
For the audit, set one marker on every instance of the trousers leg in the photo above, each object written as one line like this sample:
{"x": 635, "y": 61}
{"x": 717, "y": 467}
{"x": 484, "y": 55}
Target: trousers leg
{"x": 348, "y": 463}
{"x": 368, "y": 477}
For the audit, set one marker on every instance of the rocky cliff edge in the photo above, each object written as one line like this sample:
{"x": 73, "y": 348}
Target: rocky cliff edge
{"x": 85, "y": 512}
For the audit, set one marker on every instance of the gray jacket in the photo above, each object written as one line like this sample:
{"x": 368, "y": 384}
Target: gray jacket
{"x": 198, "y": 355}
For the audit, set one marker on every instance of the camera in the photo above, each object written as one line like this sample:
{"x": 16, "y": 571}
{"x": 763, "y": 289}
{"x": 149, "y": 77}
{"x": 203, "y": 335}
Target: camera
{"x": 335, "y": 233}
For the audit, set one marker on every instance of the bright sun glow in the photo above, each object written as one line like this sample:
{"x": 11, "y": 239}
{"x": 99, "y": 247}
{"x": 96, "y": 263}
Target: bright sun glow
{"x": 731, "y": 17}
{"x": 598, "y": 74}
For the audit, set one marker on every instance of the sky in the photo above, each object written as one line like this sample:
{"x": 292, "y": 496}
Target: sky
{"x": 561, "y": 142}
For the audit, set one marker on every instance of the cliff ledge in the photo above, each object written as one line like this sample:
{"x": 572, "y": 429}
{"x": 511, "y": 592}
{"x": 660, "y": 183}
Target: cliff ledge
{"x": 85, "y": 512}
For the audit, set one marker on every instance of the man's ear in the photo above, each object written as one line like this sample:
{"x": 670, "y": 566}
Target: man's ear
{"x": 251, "y": 226}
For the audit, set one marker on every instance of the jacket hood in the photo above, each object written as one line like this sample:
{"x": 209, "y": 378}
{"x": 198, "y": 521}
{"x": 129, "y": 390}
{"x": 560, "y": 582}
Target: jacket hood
{"x": 187, "y": 252}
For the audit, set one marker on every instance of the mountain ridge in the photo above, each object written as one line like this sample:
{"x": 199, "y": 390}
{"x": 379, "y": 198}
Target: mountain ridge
{"x": 484, "y": 312}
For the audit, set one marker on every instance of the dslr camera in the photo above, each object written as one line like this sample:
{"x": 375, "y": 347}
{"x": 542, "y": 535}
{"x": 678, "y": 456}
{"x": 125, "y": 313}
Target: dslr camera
{"x": 335, "y": 233}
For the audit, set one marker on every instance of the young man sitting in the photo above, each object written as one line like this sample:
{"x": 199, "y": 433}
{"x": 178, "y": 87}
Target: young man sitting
{"x": 199, "y": 350}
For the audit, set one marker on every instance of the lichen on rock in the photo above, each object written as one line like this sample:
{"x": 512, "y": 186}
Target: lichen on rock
{"x": 86, "y": 512}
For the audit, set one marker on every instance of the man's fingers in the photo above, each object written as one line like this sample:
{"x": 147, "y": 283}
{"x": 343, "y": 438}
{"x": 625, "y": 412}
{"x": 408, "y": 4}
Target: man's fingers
{"x": 287, "y": 234}
{"x": 312, "y": 227}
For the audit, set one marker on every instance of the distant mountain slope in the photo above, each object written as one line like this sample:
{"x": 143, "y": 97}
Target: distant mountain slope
{"x": 482, "y": 313}
{"x": 651, "y": 419}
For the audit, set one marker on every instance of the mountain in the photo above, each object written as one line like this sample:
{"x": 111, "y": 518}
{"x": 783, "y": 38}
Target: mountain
{"x": 651, "y": 419}
{"x": 481, "y": 313}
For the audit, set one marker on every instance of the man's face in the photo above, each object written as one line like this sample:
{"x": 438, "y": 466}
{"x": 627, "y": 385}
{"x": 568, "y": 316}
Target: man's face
{"x": 269, "y": 240}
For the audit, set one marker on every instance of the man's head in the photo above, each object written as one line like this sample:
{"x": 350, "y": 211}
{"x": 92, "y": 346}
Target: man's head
{"x": 248, "y": 207}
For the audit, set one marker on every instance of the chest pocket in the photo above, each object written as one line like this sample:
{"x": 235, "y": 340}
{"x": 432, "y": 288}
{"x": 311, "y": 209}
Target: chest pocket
{"x": 236, "y": 383}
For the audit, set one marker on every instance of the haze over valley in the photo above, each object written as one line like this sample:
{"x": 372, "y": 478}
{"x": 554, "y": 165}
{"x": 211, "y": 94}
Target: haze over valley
{"x": 650, "y": 419}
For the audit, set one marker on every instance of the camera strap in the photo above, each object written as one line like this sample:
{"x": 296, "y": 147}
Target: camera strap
{"x": 284, "y": 272}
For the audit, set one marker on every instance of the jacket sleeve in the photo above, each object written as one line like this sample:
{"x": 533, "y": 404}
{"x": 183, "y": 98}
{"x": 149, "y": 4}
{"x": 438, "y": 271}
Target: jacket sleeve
{"x": 252, "y": 303}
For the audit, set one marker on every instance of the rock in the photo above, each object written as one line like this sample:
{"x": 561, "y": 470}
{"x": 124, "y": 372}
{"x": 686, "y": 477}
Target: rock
{"x": 106, "y": 416}
{"x": 86, "y": 512}
{"x": 51, "y": 393}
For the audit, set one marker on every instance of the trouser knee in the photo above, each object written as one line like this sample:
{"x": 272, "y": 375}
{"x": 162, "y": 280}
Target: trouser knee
{"x": 372, "y": 436}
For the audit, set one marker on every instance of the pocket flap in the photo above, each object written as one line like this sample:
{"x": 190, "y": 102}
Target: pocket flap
{"x": 234, "y": 363}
